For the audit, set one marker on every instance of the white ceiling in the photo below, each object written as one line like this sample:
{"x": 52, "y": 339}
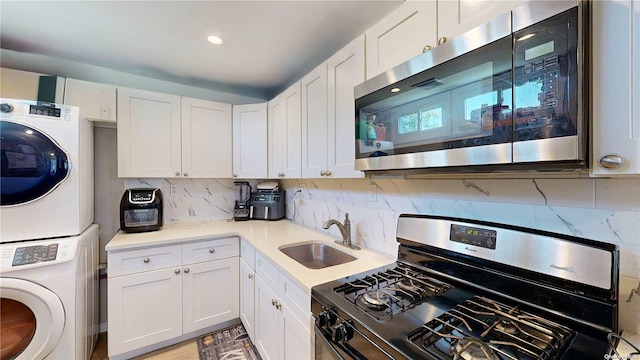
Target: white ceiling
{"x": 267, "y": 44}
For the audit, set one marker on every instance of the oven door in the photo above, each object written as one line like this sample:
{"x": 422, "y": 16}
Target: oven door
{"x": 324, "y": 350}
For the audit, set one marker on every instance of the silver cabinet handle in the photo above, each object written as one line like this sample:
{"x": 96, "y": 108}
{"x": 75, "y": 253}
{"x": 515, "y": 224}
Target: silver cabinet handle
{"x": 328, "y": 173}
{"x": 146, "y": 260}
{"x": 278, "y": 306}
{"x": 177, "y": 271}
{"x": 426, "y": 48}
{"x": 250, "y": 276}
{"x": 323, "y": 173}
{"x": 177, "y": 173}
{"x": 442, "y": 40}
{"x": 273, "y": 302}
{"x": 212, "y": 250}
{"x": 235, "y": 175}
{"x": 186, "y": 270}
{"x": 611, "y": 161}
{"x": 186, "y": 174}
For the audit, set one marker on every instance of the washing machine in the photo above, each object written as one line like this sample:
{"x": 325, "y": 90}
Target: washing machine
{"x": 47, "y": 171}
{"x": 49, "y": 298}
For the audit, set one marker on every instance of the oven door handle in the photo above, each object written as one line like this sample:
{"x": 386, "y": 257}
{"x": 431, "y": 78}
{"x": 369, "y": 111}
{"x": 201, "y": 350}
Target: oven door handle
{"x": 327, "y": 344}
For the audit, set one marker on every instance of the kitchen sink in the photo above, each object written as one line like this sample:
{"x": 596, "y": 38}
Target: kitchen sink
{"x": 315, "y": 254}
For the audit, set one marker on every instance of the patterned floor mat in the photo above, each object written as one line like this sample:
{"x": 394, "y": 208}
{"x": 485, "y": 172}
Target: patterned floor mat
{"x": 231, "y": 343}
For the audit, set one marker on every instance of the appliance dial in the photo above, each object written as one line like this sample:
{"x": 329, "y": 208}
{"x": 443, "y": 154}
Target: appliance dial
{"x": 326, "y": 318}
{"x": 6, "y": 108}
{"x": 343, "y": 332}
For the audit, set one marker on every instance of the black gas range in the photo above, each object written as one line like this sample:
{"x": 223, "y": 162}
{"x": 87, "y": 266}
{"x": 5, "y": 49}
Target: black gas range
{"x": 466, "y": 289}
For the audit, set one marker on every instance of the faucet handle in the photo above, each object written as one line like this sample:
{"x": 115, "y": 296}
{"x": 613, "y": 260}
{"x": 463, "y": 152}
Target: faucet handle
{"x": 346, "y": 218}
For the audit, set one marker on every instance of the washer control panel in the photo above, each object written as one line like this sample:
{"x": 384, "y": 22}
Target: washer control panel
{"x": 35, "y": 254}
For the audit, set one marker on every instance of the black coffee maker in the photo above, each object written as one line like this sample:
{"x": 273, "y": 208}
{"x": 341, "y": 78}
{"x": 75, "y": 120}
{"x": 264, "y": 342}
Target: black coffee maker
{"x": 243, "y": 198}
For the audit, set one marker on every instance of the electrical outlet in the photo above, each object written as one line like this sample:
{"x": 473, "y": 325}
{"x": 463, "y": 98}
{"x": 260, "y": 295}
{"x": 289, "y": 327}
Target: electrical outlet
{"x": 373, "y": 196}
{"x": 174, "y": 189}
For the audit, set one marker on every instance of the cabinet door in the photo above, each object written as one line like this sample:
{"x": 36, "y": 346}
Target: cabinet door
{"x": 267, "y": 321}
{"x": 345, "y": 71}
{"x": 459, "y": 16}
{"x": 148, "y": 134}
{"x": 247, "y": 298}
{"x": 144, "y": 309}
{"x": 285, "y": 134}
{"x": 250, "y": 141}
{"x": 96, "y": 101}
{"x": 210, "y": 293}
{"x": 314, "y": 122}
{"x": 206, "y": 139}
{"x": 295, "y": 337}
{"x": 277, "y": 127}
{"x": 400, "y": 36}
{"x": 616, "y": 88}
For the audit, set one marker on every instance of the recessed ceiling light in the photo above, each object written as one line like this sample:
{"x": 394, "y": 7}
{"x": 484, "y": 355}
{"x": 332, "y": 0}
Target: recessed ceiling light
{"x": 214, "y": 40}
{"x": 395, "y": 90}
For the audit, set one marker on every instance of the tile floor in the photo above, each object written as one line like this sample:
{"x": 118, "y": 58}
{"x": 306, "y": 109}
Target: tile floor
{"x": 186, "y": 350}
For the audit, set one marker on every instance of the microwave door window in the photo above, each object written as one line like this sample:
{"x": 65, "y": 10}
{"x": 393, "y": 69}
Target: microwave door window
{"x": 460, "y": 103}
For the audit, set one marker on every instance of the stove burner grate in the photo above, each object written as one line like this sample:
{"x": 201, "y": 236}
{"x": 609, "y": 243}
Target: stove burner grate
{"x": 391, "y": 292}
{"x": 481, "y": 328}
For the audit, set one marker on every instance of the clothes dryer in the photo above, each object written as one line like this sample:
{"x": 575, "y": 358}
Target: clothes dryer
{"x": 47, "y": 171}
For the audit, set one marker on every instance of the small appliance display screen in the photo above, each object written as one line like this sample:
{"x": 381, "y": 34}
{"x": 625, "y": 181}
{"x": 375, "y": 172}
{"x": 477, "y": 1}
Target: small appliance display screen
{"x": 34, "y": 254}
{"x": 44, "y": 110}
{"x": 473, "y": 236}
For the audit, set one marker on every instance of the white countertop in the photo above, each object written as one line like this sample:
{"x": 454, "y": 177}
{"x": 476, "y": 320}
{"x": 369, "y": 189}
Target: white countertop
{"x": 266, "y": 237}
{"x": 624, "y": 349}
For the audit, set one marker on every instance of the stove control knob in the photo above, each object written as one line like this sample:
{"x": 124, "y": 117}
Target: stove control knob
{"x": 342, "y": 333}
{"x": 326, "y": 318}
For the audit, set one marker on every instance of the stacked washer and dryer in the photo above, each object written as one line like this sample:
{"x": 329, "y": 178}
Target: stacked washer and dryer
{"x": 48, "y": 244}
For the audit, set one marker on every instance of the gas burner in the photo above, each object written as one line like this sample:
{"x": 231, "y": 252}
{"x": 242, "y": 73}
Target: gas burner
{"x": 472, "y": 349}
{"x": 507, "y": 326}
{"x": 376, "y": 300}
{"x": 410, "y": 286}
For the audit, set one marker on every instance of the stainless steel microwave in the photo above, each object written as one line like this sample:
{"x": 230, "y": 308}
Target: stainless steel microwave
{"x": 508, "y": 95}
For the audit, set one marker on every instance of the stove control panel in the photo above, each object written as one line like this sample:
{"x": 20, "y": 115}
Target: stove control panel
{"x": 326, "y": 318}
{"x": 343, "y": 332}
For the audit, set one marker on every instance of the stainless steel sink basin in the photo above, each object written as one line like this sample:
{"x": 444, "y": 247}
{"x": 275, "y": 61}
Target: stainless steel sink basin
{"x": 315, "y": 254}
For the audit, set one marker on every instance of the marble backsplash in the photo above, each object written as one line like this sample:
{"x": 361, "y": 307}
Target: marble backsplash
{"x": 606, "y": 210}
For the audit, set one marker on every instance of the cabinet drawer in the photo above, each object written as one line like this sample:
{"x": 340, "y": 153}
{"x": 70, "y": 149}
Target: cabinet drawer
{"x": 268, "y": 272}
{"x": 210, "y": 250}
{"x": 148, "y": 259}
{"x": 248, "y": 254}
{"x": 295, "y": 299}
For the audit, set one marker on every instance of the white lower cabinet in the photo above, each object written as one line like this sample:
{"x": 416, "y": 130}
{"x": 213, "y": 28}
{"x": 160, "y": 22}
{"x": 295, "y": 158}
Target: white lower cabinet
{"x": 282, "y": 315}
{"x": 158, "y": 294}
{"x": 247, "y": 287}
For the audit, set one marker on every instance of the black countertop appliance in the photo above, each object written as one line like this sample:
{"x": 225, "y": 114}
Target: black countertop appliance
{"x": 141, "y": 210}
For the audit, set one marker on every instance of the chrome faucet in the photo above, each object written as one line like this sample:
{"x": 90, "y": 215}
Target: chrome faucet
{"x": 345, "y": 231}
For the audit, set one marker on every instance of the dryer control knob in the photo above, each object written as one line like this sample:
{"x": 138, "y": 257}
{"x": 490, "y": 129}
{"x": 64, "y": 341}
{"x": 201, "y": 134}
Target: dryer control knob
{"x": 6, "y": 108}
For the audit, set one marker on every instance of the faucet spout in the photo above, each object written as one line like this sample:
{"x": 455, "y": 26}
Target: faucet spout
{"x": 345, "y": 230}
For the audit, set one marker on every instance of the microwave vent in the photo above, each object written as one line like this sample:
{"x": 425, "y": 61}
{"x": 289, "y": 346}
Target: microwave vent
{"x": 428, "y": 84}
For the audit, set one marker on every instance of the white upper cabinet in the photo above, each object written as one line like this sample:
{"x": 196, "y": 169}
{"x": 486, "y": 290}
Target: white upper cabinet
{"x": 401, "y": 35}
{"x": 456, "y": 17}
{"x": 250, "y": 141}
{"x": 97, "y": 102}
{"x": 148, "y": 134}
{"x": 615, "y": 94}
{"x": 315, "y": 123}
{"x": 160, "y": 138}
{"x": 206, "y": 139}
{"x": 285, "y": 134}
{"x": 346, "y": 69}
{"x": 328, "y": 112}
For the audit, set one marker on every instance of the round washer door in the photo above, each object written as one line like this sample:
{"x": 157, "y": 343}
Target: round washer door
{"x": 47, "y": 310}
{"x": 32, "y": 164}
